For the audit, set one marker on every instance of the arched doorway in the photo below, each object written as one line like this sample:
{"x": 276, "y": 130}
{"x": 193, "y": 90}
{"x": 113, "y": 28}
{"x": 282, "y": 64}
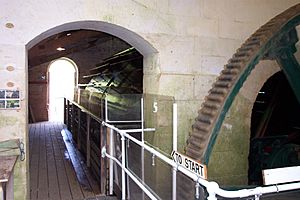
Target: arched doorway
{"x": 93, "y": 32}
{"x": 39, "y": 81}
{"x": 62, "y": 81}
{"x": 275, "y": 128}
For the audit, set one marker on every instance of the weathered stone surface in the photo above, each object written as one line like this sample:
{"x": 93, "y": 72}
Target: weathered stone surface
{"x": 232, "y": 146}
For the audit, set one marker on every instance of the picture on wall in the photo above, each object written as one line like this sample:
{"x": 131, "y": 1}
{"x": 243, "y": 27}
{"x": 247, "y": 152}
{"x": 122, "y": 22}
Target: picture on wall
{"x": 9, "y": 99}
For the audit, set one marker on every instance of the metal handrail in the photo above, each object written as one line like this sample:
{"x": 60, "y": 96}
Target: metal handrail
{"x": 212, "y": 187}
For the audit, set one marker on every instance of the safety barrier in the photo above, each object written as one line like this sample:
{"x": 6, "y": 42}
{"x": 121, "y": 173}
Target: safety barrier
{"x": 213, "y": 189}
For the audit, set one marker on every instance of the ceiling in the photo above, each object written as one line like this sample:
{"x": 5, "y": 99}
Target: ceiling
{"x": 69, "y": 42}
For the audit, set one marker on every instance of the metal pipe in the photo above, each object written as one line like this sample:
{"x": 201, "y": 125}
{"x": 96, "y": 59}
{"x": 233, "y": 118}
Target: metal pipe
{"x": 123, "y": 168}
{"x": 111, "y": 163}
{"x": 174, "y": 127}
{"x": 149, "y": 194}
{"x": 139, "y": 130}
{"x": 258, "y": 190}
{"x": 106, "y": 110}
{"x": 142, "y": 118}
{"x": 123, "y": 121}
{"x": 174, "y": 182}
{"x": 143, "y": 142}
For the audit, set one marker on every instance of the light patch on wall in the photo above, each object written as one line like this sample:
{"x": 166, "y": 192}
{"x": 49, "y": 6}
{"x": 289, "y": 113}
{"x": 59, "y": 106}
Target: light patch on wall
{"x": 60, "y": 49}
{"x": 227, "y": 126}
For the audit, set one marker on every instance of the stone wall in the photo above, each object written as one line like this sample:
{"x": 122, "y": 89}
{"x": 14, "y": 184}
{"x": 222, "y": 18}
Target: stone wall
{"x": 184, "y": 43}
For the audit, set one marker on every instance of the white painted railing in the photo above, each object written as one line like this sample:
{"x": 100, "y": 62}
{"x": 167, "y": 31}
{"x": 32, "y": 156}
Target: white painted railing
{"x": 212, "y": 188}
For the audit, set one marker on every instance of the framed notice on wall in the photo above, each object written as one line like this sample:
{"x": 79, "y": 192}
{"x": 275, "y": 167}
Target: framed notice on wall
{"x": 9, "y": 99}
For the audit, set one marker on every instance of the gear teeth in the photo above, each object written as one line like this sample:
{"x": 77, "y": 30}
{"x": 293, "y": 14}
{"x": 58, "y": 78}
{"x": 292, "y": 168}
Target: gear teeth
{"x": 197, "y": 138}
{"x": 241, "y": 54}
{"x": 215, "y": 90}
{"x": 253, "y": 42}
{"x": 271, "y": 23}
{"x": 247, "y": 49}
{"x": 260, "y": 34}
{"x": 230, "y": 71}
{"x": 201, "y": 126}
{"x": 210, "y": 104}
{"x": 222, "y": 84}
{"x": 233, "y": 66}
{"x": 215, "y": 97}
{"x": 208, "y": 111}
{"x": 238, "y": 59}
{"x": 194, "y": 144}
{"x": 194, "y": 153}
{"x": 211, "y": 107}
{"x": 204, "y": 118}
{"x": 226, "y": 77}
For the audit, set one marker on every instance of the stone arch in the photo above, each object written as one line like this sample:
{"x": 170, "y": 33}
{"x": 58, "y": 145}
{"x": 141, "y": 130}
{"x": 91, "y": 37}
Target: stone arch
{"x": 143, "y": 46}
{"x": 149, "y": 52}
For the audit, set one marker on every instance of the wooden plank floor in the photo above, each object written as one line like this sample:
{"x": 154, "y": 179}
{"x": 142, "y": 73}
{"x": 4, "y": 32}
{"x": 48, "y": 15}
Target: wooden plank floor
{"x": 57, "y": 170}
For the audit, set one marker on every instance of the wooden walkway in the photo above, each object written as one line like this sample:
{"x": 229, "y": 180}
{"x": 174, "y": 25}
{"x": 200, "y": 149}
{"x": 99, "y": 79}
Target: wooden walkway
{"x": 57, "y": 169}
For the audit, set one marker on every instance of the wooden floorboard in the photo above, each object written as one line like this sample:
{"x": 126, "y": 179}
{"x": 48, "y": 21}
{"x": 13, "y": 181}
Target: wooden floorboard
{"x": 81, "y": 177}
{"x": 57, "y": 170}
{"x": 73, "y": 183}
{"x": 34, "y": 161}
{"x": 51, "y": 162}
{"x": 63, "y": 183}
{"x": 42, "y": 167}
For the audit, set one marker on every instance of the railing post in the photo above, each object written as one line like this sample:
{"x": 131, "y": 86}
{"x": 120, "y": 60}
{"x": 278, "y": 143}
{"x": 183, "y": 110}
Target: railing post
{"x": 103, "y": 164}
{"x": 211, "y": 190}
{"x": 111, "y": 162}
{"x": 123, "y": 168}
{"x": 142, "y": 148}
{"x": 65, "y": 111}
{"x": 79, "y": 129}
{"x": 174, "y": 183}
{"x": 88, "y": 129}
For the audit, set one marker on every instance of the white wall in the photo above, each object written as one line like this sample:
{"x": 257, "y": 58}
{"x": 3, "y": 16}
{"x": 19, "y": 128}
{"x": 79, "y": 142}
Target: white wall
{"x": 185, "y": 44}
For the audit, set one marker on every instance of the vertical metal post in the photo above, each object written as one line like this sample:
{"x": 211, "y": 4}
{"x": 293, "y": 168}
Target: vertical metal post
{"x": 79, "y": 129}
{"x": 65, "y": 111}
{"x": 211, "y": 188}
{"x": 111, "y": 162}
{"x": 142, "y": 118}
{"x": 123, "y": 168}
{"x": 174, "y": 183}
{"x": 106, "y": 110}
{"x": 142, "y": 148}
{"x": 197, "y": 191}
{"x": 88, "y": 149}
